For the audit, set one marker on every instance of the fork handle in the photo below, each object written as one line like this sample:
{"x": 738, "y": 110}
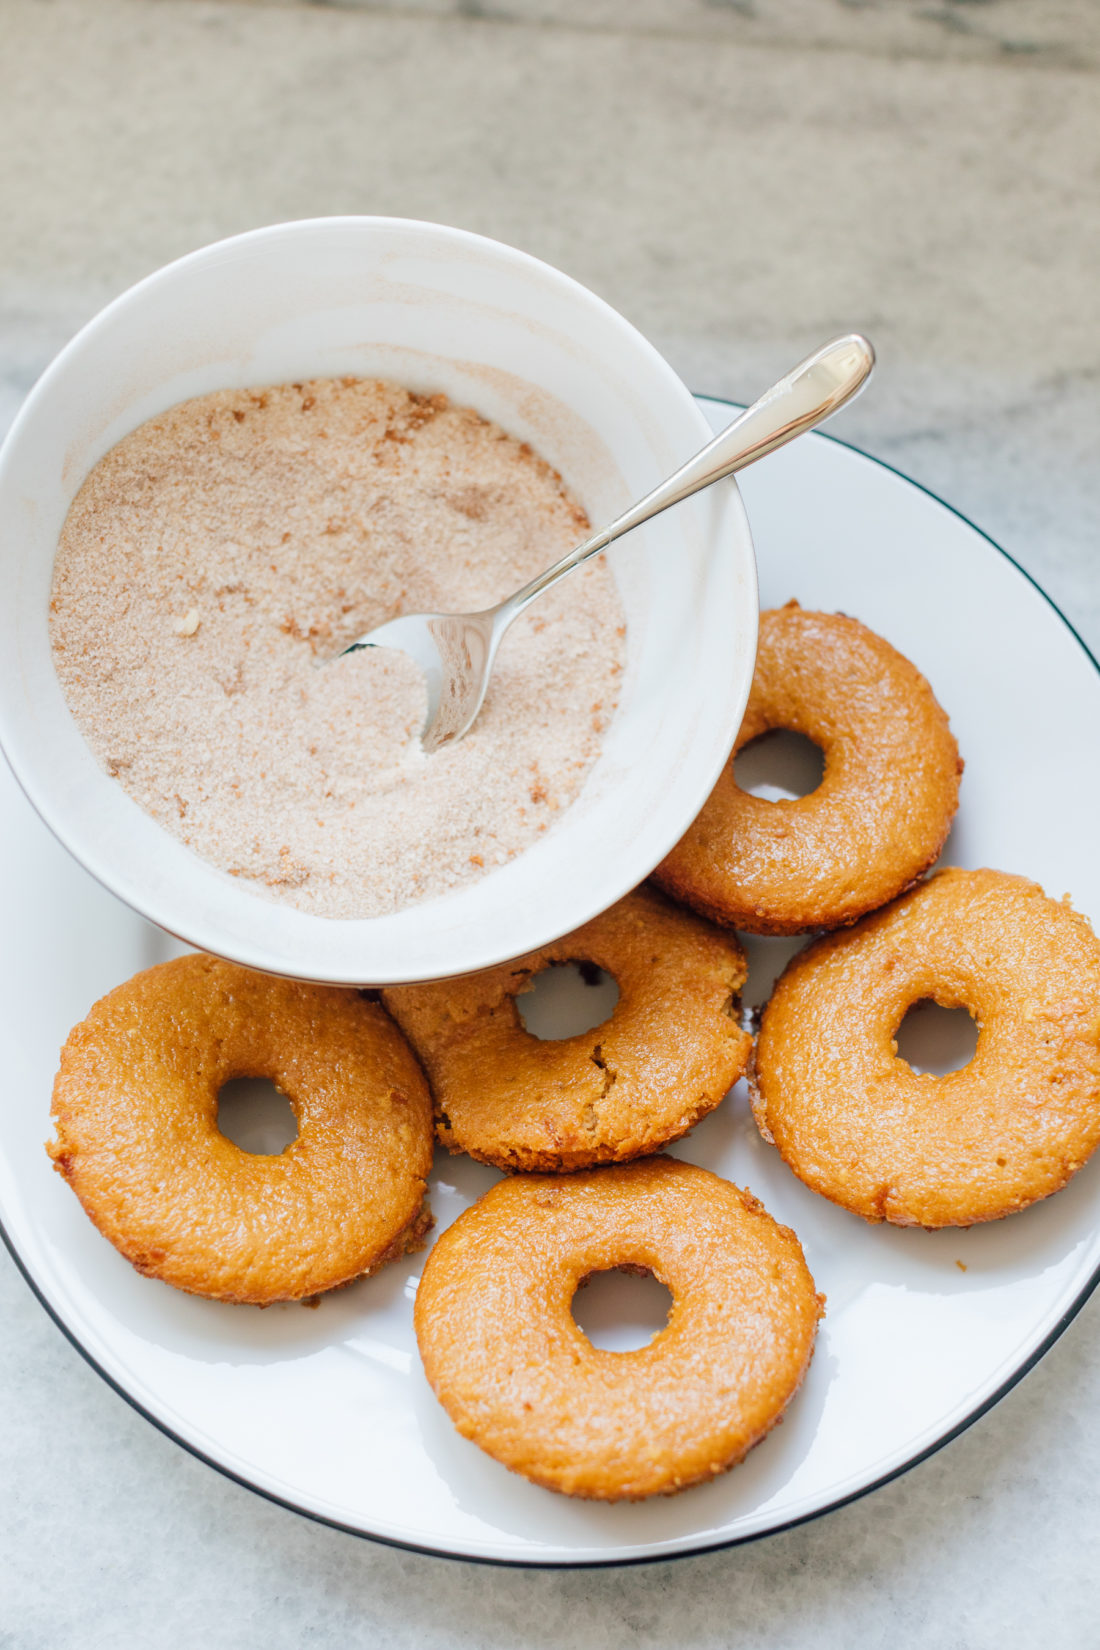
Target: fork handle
{"x": 809, "y": 394}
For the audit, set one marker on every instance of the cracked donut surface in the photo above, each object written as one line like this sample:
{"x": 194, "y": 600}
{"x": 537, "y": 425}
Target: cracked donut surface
{"x": 665, "y": 1057}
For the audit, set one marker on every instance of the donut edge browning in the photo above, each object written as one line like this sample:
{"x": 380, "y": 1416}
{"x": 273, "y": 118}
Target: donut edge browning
{"x": 74, "y": 1148}
{"x": 649, "y": 1476}
{"x": 890, "y": 1202}
{"x": 446, "y": 1020}
{"x": 690, "y": 872}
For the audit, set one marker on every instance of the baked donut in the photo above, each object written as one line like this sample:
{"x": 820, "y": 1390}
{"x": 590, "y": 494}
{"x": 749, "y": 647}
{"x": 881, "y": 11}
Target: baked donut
{"x": 860, "y": 1126}
{"x": 135, "y": 1108}
{"x": 669, "y": 1052}
{"x": 518, "y": 1376}
{"x": 875, "y": 823}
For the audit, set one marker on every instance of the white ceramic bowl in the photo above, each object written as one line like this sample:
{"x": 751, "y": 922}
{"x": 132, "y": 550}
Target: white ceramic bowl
{"x": 435, "y": 309}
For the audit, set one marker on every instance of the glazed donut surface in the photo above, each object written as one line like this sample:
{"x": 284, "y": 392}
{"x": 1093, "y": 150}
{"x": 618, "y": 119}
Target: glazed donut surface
{"x": 875, "y": 823}
{"x": 135, "y": 1110}
{"x": 669, "y": 1052}
{"x": 858, "y": 1125}
{"x": 517, "y": 1375}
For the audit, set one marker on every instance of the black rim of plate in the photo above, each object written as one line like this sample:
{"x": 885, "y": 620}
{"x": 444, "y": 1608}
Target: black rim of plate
{"x": 704, "y": 1546}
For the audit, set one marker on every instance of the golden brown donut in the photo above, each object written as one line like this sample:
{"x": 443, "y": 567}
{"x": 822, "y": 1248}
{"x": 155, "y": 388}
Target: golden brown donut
{"x": 518, "y": 1376}
{"x": 875, "y": 823}
{"x": 670, "y": 1051}
{"x": 858, "y": 1125}
{"x": 135, "y": 1108}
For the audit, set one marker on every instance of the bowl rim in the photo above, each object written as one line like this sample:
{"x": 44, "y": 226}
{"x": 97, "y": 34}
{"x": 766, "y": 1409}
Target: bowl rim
{"x": 65, "y": 825}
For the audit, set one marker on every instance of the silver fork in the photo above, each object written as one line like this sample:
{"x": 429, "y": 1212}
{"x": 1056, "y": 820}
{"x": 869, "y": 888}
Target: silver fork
{"x": 456, "y": 650}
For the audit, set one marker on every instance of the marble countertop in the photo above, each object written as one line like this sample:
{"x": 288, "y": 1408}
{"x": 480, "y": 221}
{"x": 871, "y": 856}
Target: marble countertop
{"x": 741, "y": 178}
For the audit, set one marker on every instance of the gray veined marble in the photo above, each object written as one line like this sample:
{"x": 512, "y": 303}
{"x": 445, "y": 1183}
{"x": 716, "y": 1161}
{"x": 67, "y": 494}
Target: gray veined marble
{"x": 742, "y": 178}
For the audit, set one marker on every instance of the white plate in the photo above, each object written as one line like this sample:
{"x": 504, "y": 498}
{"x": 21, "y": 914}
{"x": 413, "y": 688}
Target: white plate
{"x": 328, "y": 1412}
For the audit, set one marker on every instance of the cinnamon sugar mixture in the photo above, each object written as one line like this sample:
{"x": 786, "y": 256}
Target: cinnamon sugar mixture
{"x": 219, "y": 551}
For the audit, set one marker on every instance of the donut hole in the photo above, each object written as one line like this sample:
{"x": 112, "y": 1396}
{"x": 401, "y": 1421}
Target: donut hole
{"x": 621, "y": 1310}
{"x": 566, "y": 1000}
{"x": 256, "y": 1117}
{"x": 779, "y": 766}
{"x": 934, "y": 1040}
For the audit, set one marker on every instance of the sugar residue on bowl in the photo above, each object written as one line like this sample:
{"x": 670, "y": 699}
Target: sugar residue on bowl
{"x": 222, "y": 552}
